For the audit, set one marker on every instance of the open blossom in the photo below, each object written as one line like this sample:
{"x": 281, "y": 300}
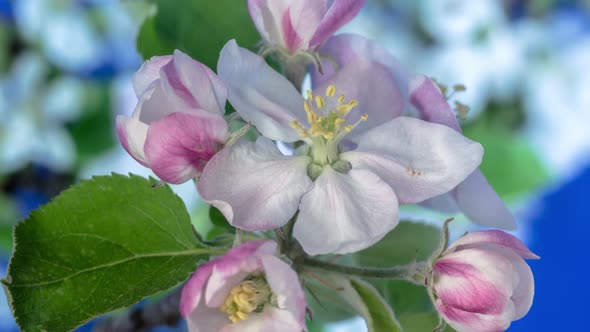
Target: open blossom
{"x": 482, "y": 283}
{"x": 178, "y": 123}
{"x": 474, "y": 196}
{"x": 293, "y": 26}
{"x": 248, "y": 289}
{"x": 358, "y": 160}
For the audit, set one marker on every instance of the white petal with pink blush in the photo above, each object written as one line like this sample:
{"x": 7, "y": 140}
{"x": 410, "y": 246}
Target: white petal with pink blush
{"x": 178, "y": 123}
{"x": 482, "y": 282}
{"x": 247, "y": 289}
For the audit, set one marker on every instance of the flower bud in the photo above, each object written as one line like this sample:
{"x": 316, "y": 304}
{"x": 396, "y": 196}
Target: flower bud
{"x": 481, "y": 283}
{"x": 293, "y": 26}
{"x": 247, "y": 289}
{"x": 178, "y": 123}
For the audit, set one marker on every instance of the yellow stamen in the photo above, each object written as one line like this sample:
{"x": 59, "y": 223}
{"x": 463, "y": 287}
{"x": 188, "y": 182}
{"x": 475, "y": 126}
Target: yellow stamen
{"x": 249, "y": 296}
{"x": 331, "y": 91}
{"x": 309, "y": 95}
{"x": 341, "y": 99}
{"x": 320, "y": 102}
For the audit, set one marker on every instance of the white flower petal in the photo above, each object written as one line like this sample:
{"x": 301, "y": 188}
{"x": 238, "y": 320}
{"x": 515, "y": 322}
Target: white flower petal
{"x": 260, "y": 94}
{"x": 419, "y": 160}
{"x": 345, "y": 213}
{"x": 254, "y": 185}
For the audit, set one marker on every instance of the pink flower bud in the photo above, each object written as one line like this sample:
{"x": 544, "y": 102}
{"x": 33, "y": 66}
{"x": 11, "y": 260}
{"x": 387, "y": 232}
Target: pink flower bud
{"x": 248, "y": 289}
{"x": 481, "y": 283}
{"x": 300, "y": 25}
{"x": 178, "y": 123}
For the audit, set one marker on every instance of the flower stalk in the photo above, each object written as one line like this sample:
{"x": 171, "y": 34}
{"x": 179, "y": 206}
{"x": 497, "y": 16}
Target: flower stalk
{"x": 414, "y": 272}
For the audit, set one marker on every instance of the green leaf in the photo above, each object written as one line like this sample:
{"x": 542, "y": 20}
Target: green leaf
{"x": 197, "y": 28}
{"x": 378, "y": 315}
{"x": 421, "y": 322}
{"x": 407, "y": 242}
{"x": 361, "y": 298}
{"x": 101, "y": 245}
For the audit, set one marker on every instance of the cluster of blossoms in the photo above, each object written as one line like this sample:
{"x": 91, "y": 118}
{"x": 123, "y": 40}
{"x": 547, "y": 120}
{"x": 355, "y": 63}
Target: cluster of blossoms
{"x": 329, "y": 168}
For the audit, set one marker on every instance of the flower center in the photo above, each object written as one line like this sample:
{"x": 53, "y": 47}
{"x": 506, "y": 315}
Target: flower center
{"x": 326, "y": 124}
{"x": 251, "y": 295}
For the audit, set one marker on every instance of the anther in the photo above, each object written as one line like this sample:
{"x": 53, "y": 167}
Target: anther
{"x": 320, "y": 102}
{"x": 341, "y": 99}
{"x": 331, "y": 91}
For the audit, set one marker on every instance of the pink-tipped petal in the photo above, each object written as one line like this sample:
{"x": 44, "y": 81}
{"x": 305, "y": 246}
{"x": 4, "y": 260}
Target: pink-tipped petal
{"x": 339, "y": 13}
{"x": 254, "y": 185}
{"x": 193, "y": 289}
{"x": 148, "y": 73}
{"x": 481, "y": 204}
{"x": 465, "y": 321}
{"x": 495, "y": 237}
{"x": 267, "y": 16}
{"x": 132, "y": 135}
{"x": 193, "y": 84}
{"x": 284, "y": 282}
{"x": 206, "y": 319}
{"x": 231, "y": 269}
{"x": 475, "y": 280}
{"x": 356, "y": 210}
{"x": 301, "y": 21}
{"x": 419, "y": 160}
{"x": 260, "y": 94}
{"x": 523, "y": 294}
{"x": 430, "y": 103}
{"x": 349, "y": 49}
{"x": 154, "y": 104}
{"x": 179, "y": 145}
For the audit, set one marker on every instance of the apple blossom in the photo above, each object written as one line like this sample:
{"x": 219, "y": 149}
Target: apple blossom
{"x": 248, "y": 289}
{"x": 474, "y": 196}
{"x": 178, "y": 123}
{"x": 293, "y": 26}
{"x": 481, "y": 283}
{"x": 354, "y": 167}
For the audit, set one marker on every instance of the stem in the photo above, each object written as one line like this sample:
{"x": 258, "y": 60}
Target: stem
{"x": 412, "y": 272}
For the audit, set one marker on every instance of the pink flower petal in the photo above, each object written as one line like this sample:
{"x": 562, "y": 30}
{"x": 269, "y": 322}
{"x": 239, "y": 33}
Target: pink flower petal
{"x": 300, "y": 22}
{"x": 179, "y": 145}
{"x": 132, "y": 134}
{"x": 148, "y": 73}
{"x": 418, "y": 159}
{"x": 193, "y": 84}
{"x": 267, "y": 16}
{"x": 430, "y": 103}
{"x": 465, "y": 321}
{"x": 496, "y": 237}
{"x": 193, "y": 289}
{"x": 231, "y": 269}
{"x": 254, "y": 185}
{"x": 339, "y": 13}
{"x": 475, "y": 280}
{"x": 284, "y": 282}
{"x": 356, "y": 210}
